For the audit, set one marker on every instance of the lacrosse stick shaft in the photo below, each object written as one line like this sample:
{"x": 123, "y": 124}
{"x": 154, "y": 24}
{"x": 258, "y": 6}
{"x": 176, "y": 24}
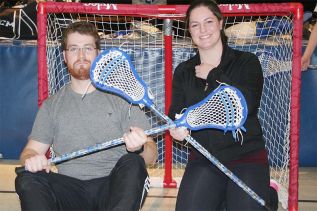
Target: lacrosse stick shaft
{"x": 98, "y": 147}
{"x": 224, "y": 169}
{"x": 216, "y": 162}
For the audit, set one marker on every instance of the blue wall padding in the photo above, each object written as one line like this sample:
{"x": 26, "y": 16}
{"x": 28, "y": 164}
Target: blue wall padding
{"x": 18, "y": 97}
{"x": 308, "y": 128}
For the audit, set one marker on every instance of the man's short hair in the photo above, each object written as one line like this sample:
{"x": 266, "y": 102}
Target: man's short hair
{"x": 81, "y": 27}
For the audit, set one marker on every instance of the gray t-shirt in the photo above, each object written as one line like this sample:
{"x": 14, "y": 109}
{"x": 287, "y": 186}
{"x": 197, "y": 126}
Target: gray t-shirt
{"x": 71, "y": 123}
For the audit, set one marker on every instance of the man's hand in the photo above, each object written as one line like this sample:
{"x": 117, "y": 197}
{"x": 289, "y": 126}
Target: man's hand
{"x": 135, "y": 139}
{"x": 37, "y": 163}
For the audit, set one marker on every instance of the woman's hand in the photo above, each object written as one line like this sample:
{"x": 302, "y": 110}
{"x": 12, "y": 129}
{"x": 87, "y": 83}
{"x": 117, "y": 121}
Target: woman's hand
{"x": 179, "y": 133}
{"x": 203, "y": 70}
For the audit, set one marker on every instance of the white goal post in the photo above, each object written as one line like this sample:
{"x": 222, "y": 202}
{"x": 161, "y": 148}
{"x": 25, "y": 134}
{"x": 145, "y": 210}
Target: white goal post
{"x": 156, "y": 39}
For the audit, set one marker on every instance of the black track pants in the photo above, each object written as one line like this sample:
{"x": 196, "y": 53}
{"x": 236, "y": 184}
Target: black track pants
{"x": 205, "y": 187}
{"x": 124, "y": 189}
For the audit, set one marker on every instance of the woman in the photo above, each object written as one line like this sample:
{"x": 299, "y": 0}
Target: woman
{"x": 204, "y": 186}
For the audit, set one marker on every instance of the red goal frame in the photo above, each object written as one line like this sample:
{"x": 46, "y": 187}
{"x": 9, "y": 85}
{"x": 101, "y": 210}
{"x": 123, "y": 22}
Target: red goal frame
{"x": 228, "y": 10}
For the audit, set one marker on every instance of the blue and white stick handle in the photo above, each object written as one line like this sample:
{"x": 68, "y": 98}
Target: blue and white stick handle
{"x": 96, "y": 148}
{"x": 113, "y": 71}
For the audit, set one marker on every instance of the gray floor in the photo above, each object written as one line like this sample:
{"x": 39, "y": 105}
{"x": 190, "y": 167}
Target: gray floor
{"x": 158, "y": 198}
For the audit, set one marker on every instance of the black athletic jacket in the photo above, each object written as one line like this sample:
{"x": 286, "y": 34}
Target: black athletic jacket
{"x": 239, "y": 69}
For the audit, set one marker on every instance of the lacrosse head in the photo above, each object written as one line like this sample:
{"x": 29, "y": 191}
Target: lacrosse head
{"x": 225, "y": 108}
{"x": 113, "y": 71}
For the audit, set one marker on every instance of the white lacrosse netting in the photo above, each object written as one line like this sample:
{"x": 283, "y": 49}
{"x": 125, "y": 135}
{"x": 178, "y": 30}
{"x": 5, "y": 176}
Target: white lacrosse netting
{"x": 155, "y": 38}
{"x": 230, "y": 109}
{"x": 121, "y": 78}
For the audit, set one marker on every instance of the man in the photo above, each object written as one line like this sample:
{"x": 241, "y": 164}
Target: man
{"x": 76, "y": 117}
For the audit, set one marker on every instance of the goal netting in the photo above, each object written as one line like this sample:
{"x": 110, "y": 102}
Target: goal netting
{"x": 156, "y": 39}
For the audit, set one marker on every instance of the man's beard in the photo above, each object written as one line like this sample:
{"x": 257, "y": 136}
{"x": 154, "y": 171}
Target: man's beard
{"x": 80, "y": 71}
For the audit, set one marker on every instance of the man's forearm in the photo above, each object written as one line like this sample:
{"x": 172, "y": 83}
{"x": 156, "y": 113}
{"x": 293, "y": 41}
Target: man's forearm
{"x": 27, "y": 153}
{"x": 150, "y": 152}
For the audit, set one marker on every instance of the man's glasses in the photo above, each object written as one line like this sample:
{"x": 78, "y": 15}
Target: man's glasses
{"x": 87, "y": 50}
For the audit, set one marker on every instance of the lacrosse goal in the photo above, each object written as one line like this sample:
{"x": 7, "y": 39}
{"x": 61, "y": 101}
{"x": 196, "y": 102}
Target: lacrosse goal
{"x": 156, "y": 39}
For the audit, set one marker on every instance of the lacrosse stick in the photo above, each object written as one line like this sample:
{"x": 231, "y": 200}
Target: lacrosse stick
{"x": 113, "y": 71}
{"x": 196, "y": 117}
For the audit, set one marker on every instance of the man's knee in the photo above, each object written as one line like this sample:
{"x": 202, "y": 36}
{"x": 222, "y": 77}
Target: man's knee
{"x": 133, "y": 164}
{"x": 23, "y": 181}
{"x": 132, "y": 159}
{"x": 26, "y": 181}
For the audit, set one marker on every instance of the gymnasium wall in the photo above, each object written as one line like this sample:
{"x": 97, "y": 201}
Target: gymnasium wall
{"x": 308, "y": 129}
{"x": 18, "y": 96}
{"x": 18, "y": 101}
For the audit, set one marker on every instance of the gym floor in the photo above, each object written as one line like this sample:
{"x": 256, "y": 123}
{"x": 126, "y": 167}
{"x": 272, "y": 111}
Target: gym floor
{"x": 158, "y": 198}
